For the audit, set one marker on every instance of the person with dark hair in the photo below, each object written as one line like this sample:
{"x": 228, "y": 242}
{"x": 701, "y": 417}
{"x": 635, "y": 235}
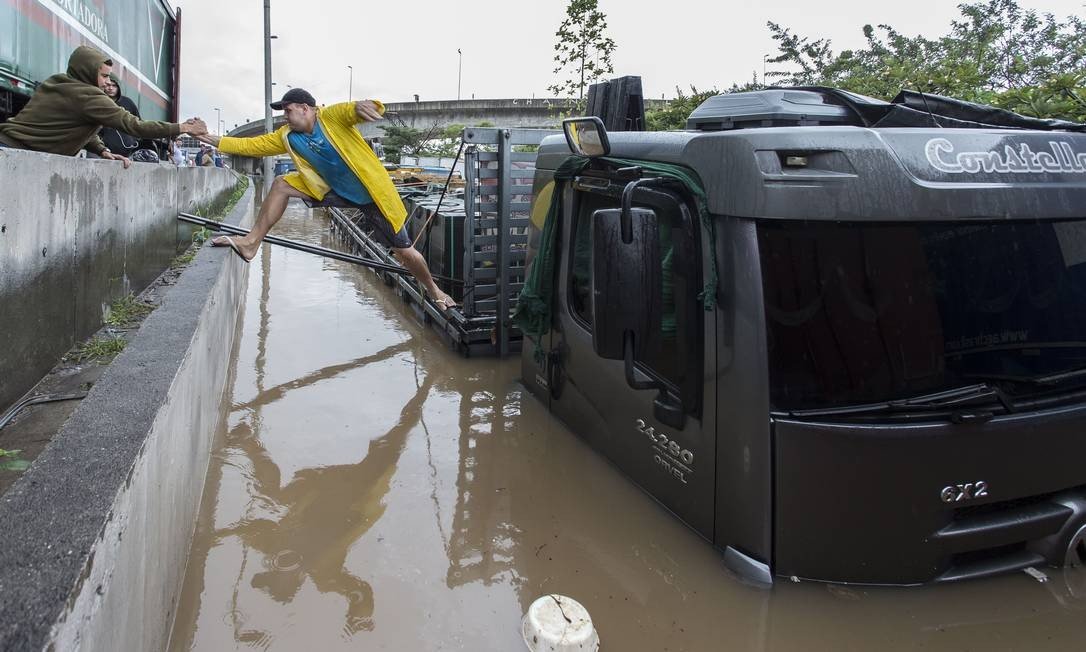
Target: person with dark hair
{"x": 205, "y": 157}
{"x": 117, "y": 141}
{"x": 335, "y": 166}
{"x": 67, "y": 111}
{"x": 177, "y": 155}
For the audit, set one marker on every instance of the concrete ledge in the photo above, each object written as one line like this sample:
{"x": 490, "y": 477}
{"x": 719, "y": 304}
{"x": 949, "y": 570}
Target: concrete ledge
{"x": 95, "y": 535}
{"x": 75, "y": 235}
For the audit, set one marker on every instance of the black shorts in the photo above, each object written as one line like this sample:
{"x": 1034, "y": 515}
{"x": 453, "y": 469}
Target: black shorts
{"x": 375, "y": 219}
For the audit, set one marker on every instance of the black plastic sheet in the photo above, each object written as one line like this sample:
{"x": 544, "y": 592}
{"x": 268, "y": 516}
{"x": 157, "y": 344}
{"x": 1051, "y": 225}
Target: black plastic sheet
{"x": 916, "y": 109}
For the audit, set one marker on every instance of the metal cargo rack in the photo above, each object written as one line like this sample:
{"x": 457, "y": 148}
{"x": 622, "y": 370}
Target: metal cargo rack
{"x": 480, "y": 239}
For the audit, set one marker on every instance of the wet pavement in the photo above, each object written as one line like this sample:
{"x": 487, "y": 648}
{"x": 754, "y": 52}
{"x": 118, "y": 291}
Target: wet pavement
{"x": 371, "y": 490}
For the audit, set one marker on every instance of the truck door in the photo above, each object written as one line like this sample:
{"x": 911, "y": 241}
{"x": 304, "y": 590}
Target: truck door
{"x": 674, "y": 463}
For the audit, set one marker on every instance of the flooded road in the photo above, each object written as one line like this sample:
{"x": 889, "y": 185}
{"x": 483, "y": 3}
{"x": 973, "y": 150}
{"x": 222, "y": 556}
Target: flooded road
{"x": 373, "y": 491}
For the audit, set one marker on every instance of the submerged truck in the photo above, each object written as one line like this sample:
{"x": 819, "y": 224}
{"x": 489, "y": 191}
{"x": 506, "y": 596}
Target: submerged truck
{"x": 141, "y": 36}
{"x": 841, "y": 339}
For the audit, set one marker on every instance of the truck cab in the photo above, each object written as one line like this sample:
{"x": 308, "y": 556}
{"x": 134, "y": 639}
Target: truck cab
{"x": 837, "y": 350}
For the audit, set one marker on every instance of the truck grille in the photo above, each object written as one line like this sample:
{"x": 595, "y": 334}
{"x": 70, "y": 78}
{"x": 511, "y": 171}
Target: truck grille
{"x": 995, "y": 538}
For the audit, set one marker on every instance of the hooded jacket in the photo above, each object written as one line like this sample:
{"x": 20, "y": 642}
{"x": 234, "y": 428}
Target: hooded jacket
{"x": 67, "y": 110}
{"x": 338, "y": 121}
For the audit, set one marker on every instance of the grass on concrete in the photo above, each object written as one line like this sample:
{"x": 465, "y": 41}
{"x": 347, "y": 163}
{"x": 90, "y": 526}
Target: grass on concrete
{"x": 213, "y": 211}
{"x": 199, "y": 237}
{"x": 235, "y": 196}
{"x": 128, "y": 310}
{"x": 9, "y": 461}
{"x": 101, "y": 349}
{"x": 183, "y": 259}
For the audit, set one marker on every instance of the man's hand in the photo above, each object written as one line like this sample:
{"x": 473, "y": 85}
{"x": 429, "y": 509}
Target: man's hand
{"x": 366, "y": 110}
{"x": 194, "y": 127}
{"x": 110, "y": 156}
{"x": 210, "y": 139}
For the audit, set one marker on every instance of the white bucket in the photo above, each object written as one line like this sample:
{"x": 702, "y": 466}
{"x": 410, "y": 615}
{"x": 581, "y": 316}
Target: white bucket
{"x": 555, "y": 623}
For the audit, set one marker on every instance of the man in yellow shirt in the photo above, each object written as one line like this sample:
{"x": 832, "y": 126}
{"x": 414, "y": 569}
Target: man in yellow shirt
{"x": 334, "y": 165}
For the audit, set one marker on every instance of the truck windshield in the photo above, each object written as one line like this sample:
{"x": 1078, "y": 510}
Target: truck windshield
{"x": 859, "y": 313}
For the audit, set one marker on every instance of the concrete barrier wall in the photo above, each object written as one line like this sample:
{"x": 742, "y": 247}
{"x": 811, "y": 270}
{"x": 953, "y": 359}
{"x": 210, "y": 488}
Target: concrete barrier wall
{"x": 76, "y": 234}
{"x": 96, "y": 534}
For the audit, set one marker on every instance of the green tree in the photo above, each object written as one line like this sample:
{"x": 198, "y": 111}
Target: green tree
{"x": 436, "y": 140}
{"x": 678, "y": 110}
{"x": 674, "y": 115}
{"x": 583, "y": 51}
{"x": 447, "y": 143}
{"x": 996, "y": 53}
{"x": 402, "y": 140}
{"x": 453, "y": 131}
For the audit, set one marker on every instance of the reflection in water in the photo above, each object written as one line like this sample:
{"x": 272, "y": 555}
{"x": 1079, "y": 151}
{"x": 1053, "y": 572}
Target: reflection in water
{"x": 269, "y": 396}
{"x": 483, "y": 546}
{"x": 371, "y": 490}
{"x": 323, "y": 511}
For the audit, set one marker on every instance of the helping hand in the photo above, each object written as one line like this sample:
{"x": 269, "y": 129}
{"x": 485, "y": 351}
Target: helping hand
{"x": 367, "y": 110}
{"x": 194, "y": 127}
{"x": 210, "y": 139}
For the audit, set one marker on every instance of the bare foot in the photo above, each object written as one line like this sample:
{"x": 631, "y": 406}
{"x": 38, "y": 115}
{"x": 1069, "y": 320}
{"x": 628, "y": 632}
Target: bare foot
{"x": 243, "y": 249}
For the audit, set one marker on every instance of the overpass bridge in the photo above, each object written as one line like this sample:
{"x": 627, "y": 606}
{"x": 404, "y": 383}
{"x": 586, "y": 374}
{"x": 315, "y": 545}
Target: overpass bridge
{"x": 515, "y": 112}
{"x": 528, "y": 112}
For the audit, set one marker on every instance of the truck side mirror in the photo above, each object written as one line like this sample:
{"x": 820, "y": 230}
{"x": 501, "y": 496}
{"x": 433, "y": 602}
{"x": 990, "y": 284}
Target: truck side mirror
{"x": 586, "y": 136}
{"x": 626, "y": 282}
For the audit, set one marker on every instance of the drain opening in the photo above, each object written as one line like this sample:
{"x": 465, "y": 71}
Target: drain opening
{"x": 1080, "y": 551}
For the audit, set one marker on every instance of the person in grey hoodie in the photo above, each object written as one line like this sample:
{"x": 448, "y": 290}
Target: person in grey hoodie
{"x": 67, "y": 110}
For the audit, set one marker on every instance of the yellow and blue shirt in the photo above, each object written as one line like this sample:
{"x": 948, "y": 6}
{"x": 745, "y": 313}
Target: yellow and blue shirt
{"x": 316, "y": 149}
{"x": 339, "y": 123}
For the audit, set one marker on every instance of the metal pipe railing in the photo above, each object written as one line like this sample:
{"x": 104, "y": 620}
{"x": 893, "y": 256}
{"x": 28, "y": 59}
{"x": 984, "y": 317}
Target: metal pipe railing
{"x": 305, "y": 247}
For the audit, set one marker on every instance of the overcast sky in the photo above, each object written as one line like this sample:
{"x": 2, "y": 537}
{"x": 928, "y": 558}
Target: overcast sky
{"x": 399, "y": 49}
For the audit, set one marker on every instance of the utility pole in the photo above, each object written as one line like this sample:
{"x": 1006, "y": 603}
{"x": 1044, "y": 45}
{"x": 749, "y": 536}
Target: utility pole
{"x": 350, "y": 84}
{"x": 218, "y": 120}
{"x": 459, "y": 72}
{"x": 268, "y": 163}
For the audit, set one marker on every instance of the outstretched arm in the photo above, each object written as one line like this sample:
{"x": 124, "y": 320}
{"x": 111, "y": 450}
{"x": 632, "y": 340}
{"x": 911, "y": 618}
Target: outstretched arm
{"x": 369, "y": 110}
{"x": 104, "y": 111}
{"x": 351, "y": 113}
{"x": 255, "y": 146}
{"x": 210, "y": 139}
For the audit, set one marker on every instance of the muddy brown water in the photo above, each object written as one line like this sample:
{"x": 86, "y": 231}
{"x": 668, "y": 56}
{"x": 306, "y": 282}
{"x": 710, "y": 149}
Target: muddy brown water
{"x": 371, "y": 490}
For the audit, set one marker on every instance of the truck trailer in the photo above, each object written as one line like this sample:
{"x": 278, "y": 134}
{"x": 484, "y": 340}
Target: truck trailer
{"x": 841, "y": 339}
{"x": 142, "y": 37}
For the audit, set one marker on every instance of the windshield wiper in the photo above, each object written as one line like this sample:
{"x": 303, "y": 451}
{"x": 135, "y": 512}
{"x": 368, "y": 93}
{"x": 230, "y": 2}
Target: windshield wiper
{"x": 1061, "y": 376}
{"x": 1047, "y": 379}
{"x": 953, "y": 400}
